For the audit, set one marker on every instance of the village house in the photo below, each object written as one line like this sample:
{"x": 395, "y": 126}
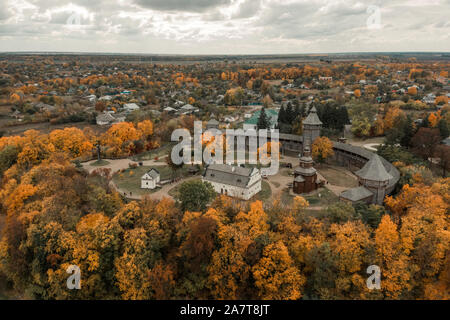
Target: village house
{"x": 105, "y": 98}
{"x": 129, "y": 107}
{"x": 150, "y": 179}
{"x": 105, "y": 119}
{"x": 242, "y": 183}
{"x": 429, "y": 98}
{"x": 188, "y": 109}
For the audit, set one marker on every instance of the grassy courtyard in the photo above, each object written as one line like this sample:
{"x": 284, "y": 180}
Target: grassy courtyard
{"x": 129, "y": 180}
{"x": 320, "y": 198}
{"x": 159, "y": 153}
{"x": 337, "y": 177}
{"x": 265, "y": 193}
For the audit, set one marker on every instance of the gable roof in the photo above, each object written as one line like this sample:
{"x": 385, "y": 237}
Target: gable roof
{"x": 131, "y": 106}
{"x": 105, "y": 117}
{"x": 187, "y": 107}
{"x": 374, "y": 170}
{"x": 356, "y": 194}
{"x": 213, "y": 122}
{"x": 231, "y": 175}
{"x": 152, "y": 173}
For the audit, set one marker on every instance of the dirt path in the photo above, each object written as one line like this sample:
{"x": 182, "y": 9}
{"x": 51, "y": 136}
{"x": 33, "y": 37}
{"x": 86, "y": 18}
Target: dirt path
{"x": 362, "y": 142}
{"x": 118, "y": 164}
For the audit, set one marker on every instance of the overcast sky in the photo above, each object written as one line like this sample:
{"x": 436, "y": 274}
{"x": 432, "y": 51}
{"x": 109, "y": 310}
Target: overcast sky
{"x": 224, "y": 26}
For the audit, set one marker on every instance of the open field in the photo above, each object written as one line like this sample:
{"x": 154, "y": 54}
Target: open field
{"x": 337, "y": 176}
{"x": 158, "y": 153}
{"x": 46, "y": 127}
{"x": 130, "y": 179}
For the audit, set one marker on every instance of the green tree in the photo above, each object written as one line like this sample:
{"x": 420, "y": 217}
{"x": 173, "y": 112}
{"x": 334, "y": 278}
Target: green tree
{"x": 341, "y": 212}
{"x": 195, "y": 195}
{"x": 263, "y": 121}
{"x": 444, "y": 129}
{"x": 371, "y": 214}
{"x": 8, "y": 156}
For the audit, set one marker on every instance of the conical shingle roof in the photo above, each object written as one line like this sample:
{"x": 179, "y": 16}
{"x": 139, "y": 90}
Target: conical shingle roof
{"x": 312, "y": 118}
{"x": 374, "y": 170}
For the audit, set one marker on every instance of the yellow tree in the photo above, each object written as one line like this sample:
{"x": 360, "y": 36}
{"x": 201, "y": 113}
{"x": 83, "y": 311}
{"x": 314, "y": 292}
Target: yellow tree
{"x": 276, "y": 276}
{"x": 228, "y": 271}
{"x": 434, "y": 119}
{"x": 71, "y": 140}
{"x": 393, "y": 261}
{"x": 349, "y": 243}
{"x": 119, "y": 137}
{"x": 322, "y": 148}
{"x": 145, "y": 129}
{"x": 133, "y": 266}
{"x": 254, "y": 223}
{"x": 391, "y": 115}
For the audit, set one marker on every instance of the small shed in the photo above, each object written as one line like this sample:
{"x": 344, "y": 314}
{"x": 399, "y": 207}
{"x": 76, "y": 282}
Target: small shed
{"x": 150, "y": 179}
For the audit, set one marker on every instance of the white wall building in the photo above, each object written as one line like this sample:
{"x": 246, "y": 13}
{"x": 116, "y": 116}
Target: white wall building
{"x": 150, "y": 179}
{"x": 242, "y": 183}
{"x": 104, "y": 119}
{"x": 130, "y": 107}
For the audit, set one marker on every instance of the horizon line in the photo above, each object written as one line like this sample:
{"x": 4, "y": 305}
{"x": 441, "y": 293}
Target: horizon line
{"x": 220, "y": 54}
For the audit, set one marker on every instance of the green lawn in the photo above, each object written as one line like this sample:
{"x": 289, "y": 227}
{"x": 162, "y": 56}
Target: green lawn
{"x": 100, "y": 163}
{"x": 152, "y": 154}
{"x": 326, "y": 198}
{"x": 132, "y": 182}
{"x": 265, "y": 193}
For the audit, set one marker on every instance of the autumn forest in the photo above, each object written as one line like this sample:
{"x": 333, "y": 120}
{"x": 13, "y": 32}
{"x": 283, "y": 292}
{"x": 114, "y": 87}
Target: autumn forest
{"x": 66, "y": 114}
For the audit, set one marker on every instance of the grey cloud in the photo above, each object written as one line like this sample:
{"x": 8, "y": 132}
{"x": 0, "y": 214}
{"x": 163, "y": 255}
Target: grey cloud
{"x": 182, "y": 5}
{"x": 5, "y": 13}
{"x": 247, "y": 9}
{"x": 323, "y": 25}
